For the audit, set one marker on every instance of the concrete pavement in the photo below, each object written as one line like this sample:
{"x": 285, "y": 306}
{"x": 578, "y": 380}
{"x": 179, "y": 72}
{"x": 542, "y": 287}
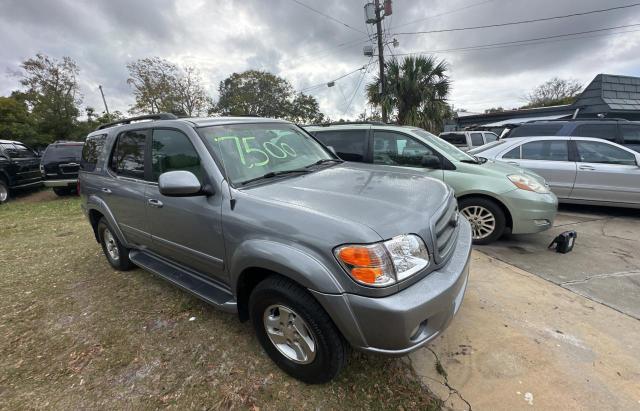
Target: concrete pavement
{"x": 520, "y": 342}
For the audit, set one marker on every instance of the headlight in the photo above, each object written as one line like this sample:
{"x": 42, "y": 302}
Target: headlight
{"x": 527, "y": 183}
{"x": 386, "y": 263}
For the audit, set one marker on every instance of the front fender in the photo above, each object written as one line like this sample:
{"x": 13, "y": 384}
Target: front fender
{"x": 292, "y": 262}
{"x": 96, "y": 203}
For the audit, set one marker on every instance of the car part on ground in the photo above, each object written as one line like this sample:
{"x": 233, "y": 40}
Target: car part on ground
{"x": 579, "y": 170}
{"x": 251, "y": 215}
{"x": 521, "y": 197}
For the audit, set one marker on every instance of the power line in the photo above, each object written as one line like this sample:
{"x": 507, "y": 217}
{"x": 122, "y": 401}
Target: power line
{"x": 353, "y": 96}
{"x": 443, "y": 14}
{"x": 526, "y": 42}
{"x": 327, "y": 16}
{"x": 335, "y": 79}
{"x": 513, "y": 23}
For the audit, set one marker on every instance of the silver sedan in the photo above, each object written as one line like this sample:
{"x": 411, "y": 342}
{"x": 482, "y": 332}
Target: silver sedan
{"x": 579, "y": 170}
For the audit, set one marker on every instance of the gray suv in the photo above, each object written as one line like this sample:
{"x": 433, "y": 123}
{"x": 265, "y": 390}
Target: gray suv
{"x": 256, "y": 217}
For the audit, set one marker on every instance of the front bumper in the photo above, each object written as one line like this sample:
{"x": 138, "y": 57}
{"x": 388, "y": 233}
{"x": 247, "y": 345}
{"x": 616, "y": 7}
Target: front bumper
{"x": 407, "y": 320}
{"x": 68, "y": 182}
{"x": 530, "y": 212}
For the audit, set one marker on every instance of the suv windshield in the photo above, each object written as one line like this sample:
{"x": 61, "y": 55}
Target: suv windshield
{"x": 458, "y": 139}
{"x": 63, "y": 152}
{"x": 251, "y": 151}
{"x": 443, "y": 146}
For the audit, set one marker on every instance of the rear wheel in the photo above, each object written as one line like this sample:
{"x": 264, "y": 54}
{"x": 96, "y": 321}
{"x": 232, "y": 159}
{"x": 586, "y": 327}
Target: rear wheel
{"x": 296, "y": 332}
{"x": 486, "y": 217}
{"x": 4, "y": 192}
{"x": 116, "y": 253}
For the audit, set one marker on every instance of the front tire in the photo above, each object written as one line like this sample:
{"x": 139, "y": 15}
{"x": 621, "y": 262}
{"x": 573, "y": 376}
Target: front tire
{"x": 4, "y": 192}
{"x": 487, "y": 219}
{"x": 116, "y": 253}
{"x": 296, "y": 332}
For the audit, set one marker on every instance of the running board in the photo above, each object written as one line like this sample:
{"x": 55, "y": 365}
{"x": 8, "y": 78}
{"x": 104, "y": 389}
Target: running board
{"x": 200, "y": 287}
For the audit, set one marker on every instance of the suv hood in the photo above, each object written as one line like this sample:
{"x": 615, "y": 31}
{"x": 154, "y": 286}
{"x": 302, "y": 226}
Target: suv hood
{"x": 387, "y": 200}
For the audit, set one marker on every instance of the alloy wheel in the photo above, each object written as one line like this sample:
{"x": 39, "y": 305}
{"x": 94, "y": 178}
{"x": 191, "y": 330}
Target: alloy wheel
{"x": 483, "y": 222}
{"x": 111, "y": 245}
{"x": 289, "y": 333}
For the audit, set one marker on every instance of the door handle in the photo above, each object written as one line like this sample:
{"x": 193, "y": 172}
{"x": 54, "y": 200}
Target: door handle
{"x": 513, "y": 163}
{"x": 154, "y": 203}
{"x": 105, "y": 190}
{"x": 586, "y": 168}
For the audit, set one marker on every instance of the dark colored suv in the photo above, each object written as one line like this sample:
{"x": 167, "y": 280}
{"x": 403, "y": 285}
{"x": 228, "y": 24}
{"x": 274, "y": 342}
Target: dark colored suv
{"x": 623, "y": 132}
{"x": 60, "y": 165}
{"x": 18, "y": 168}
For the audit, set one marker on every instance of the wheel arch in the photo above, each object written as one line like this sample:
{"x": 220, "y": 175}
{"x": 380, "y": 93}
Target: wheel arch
{"x": 505, "y": 209}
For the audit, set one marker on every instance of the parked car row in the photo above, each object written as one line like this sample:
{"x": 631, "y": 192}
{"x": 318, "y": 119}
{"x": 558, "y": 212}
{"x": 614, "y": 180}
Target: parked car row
{"x": 19, "y": 168}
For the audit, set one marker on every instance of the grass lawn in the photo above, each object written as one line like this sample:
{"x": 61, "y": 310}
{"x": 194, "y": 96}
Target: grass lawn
{"x": 75, "y": 334}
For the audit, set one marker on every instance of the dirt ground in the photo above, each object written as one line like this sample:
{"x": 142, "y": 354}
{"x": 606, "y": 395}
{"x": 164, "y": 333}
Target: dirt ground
{"x": 75, "y": 334}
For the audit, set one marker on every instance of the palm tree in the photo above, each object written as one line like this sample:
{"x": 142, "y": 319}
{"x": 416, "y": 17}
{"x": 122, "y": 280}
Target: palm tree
{"x": 416, "y": 91}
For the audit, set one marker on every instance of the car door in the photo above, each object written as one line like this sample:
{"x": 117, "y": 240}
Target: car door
{"x": 187, "y": 230}
{"x": 606, "y": 173}
{"x": 396, "y": 149}
{"x": 549, "y": 158}
{"x": 123, "y": 190}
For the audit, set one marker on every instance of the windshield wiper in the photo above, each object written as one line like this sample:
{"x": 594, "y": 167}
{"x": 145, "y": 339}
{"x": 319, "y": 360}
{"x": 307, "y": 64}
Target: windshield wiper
{"x": 272, "y": 174}
{"x": 325, "y": 160}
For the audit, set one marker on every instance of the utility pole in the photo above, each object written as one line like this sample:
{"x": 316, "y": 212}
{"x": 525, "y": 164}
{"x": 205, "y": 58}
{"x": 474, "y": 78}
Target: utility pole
{"x": 383, "y": 85}
{"x": 104, "y": 101}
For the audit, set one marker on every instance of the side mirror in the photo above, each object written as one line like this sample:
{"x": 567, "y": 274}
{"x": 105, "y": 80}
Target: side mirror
{"x": 431, "y": 161}
{"x": 179, "y": 184}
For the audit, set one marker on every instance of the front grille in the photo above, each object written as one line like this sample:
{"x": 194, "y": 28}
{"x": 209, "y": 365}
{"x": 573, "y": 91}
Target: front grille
{"x": 445, "y": 230}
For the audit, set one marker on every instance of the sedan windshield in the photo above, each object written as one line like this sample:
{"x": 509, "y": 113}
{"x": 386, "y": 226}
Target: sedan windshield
{"x": 444, "y": 147}
{"x": 250, "y": 152}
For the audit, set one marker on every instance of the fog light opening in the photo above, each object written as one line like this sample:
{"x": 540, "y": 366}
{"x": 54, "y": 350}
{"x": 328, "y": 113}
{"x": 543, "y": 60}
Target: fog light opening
{"x": 417, "y": 332}
{"x": 542, "y": 223}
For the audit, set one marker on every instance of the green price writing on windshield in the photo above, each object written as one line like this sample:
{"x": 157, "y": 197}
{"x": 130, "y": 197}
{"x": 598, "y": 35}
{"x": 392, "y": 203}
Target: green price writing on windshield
{"x": 260, "y": 155}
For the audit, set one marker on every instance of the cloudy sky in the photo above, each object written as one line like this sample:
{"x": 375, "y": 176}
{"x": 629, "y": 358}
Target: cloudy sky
{"x": 308, "y": 48}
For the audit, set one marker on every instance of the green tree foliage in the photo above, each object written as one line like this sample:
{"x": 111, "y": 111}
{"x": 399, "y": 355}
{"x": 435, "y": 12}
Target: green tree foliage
{"x": 553, "y": 92}
{"x": 259, "y": 93}
{"x": 15, "y": 120}
{"x": 51, "y": 94}
{"x": 416, "y": 92}
{"x": 161, "y": 86}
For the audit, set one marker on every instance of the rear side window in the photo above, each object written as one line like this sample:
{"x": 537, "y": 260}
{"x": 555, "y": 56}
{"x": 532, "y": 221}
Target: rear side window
{"x": 549, "y": 150}
{"x": 528, "y": 130}
{"x": 490, "y": 137}
{"x": 62, "y": 152}
{"x": 128, "y": 155}
{"x": 476, "y": 139}
{"x": 513, "y": 154}
{"x": 457, "y": 139}
{"x": 630, "y": 133}
{"x": 91, "y": 151}
{"x": 604, "y": 131}
{"x": 170, "y": 151}
{"x": 596, "y": 152}
{"x": 349, "y": 145}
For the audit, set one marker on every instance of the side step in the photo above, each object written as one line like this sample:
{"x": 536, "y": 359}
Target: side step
{"x": 200, "y": 287}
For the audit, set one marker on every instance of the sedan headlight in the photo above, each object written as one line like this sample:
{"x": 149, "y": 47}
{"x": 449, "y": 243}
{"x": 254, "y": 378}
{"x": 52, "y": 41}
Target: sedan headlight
{"x": 385, "y": 263}
{"x": 527, "y": 183}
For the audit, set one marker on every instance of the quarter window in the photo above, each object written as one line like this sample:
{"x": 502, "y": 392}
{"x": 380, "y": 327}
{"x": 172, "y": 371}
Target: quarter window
{"x": 91, "y": 151}
{"x": 513, "y": 154}
{"x": 549, "y": 150}
{"x": 170, "y": 151}
{"x": 490, "y": 137}
{"x": 604, "y": 131}
{"x": 128, "y": 155}
{"x": 398, "y": 150}
{"x": 630, "y": 133}
{"x": 476, "y": 139}
{"x": 349, "y": 145}
{"x": 595, "y": 152}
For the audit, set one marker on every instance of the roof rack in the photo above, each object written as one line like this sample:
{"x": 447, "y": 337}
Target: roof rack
{"x": 582, "y": 119}
{"x": 346, "y": 123}
{"x": 159, "y": 116}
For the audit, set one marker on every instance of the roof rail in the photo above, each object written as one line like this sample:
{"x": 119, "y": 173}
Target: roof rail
{"x": 159, "y": 116}
{"x": 582, "y": 119}
{"x": 375, "y": 123}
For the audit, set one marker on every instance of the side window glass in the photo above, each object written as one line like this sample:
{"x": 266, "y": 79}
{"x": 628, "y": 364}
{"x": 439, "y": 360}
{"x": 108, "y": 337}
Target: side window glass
{"x": 605, "y": 131}
{"x": 476, "y": 139}
{"x": 490, "y": 137}
{"x": 170, "y": 151}
{"x": 128, "y": 155}
{"x": 398, "y": 150}
{"x": 595, "y": 152}
{"x": 349, "y": 145}
{"x": 513, "y": 154}
{"x": 630, "y": 133}
{"x": 549, "y": 150}
{"x": 91, "y": 151}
